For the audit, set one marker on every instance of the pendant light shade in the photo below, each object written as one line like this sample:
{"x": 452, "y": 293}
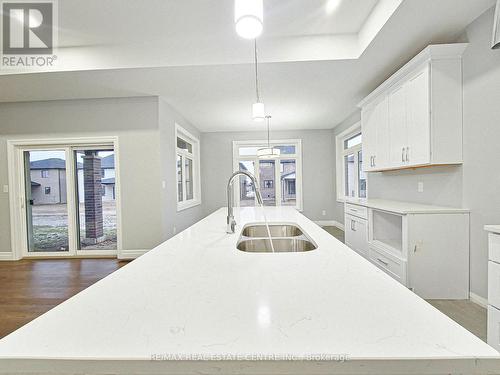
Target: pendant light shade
{"x": 268, "y": 152}
{"x": 249, "y": 18}
{"x": 258, "y": 112}
{"x": 495, "y": 44}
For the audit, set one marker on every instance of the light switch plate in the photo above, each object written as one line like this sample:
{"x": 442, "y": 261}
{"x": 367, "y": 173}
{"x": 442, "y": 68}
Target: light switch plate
{"x": 420, "y": 187}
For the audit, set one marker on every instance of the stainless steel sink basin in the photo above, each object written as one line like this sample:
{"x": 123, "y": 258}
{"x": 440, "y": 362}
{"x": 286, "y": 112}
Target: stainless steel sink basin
{"x": 286, "y": 237}
{"x": 277, "y": 230}
{"x": 281, "y": 245}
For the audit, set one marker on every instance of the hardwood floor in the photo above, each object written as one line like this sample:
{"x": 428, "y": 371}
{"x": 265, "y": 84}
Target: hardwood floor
{"x": 29, "y": 288}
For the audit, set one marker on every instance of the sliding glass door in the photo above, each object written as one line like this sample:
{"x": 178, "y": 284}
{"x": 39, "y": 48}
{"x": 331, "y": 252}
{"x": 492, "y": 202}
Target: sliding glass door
{"x": 69, "y": 194}
{"x": 96, "y": 199}
{"x": 46, "y": 201}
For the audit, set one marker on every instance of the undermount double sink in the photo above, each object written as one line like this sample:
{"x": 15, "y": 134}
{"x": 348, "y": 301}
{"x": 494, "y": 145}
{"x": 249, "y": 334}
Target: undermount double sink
{"x": 286, "y": 238}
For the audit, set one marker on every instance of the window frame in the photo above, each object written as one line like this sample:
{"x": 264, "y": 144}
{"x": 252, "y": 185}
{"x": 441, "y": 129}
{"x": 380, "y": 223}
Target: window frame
{"x": 341, "y": 152}
{"x": 297, "y": 156}
{"x": 194, "y": 156}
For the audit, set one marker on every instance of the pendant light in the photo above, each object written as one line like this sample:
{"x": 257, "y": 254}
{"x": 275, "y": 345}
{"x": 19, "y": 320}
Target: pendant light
{"x": 268, "y": 152}
{"x": 258, "y": 109}
{"x": 249, "y": 18}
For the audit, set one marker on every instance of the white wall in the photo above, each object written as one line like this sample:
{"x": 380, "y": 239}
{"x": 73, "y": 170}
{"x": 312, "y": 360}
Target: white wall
{"x": 318, "y": 168}
{"x": 145, "y": 147}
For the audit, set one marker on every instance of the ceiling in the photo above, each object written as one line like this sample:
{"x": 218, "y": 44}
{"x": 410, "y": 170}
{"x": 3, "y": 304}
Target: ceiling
{"x": 319, "y": 58}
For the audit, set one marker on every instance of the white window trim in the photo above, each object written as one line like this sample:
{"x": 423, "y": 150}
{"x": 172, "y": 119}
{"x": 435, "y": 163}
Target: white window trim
{"x": 340, "y": 166}
{"x": 17, "y": 199}
{"x": 180, "y": 132}
{"x": 279, "y": 142}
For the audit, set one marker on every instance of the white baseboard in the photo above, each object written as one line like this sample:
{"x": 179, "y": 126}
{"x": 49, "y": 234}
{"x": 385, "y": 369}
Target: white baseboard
{"x": 478, "y": 300}
{"x": 330, "y": 223}
{"x": 6, "y": 255}
{"x": 130, "y": 254}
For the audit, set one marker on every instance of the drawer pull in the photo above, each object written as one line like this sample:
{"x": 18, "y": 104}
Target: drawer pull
{"x": 381, "y": 261}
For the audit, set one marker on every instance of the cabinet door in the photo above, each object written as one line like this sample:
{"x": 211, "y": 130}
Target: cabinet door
{"x": 382, "y": 157}
{"x": 369, "y": 131}
{"x": 419, "y": 117}
{"x": 397, "y": 127}
{"x": 356, "y": 234}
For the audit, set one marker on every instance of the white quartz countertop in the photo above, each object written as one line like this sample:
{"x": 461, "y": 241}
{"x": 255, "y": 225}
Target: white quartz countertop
{"x": 405, "y": 207}
{"x": 492, "y": 228}
{"x": 196, "y": 304}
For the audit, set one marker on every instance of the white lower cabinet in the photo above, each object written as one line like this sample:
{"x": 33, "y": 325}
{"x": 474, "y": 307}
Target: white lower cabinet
{"x": 494, "y": 327}
{"x": 427, "y": 252}
{"x": 356, "y": 234}
{"x": 494, "y": 288}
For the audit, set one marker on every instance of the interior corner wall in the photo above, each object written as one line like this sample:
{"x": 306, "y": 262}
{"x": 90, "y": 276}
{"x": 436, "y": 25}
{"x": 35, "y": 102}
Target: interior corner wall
{"x": 173, "y": 221}
{"x": 318, "y": 170}
{"x": 133, "y": 120}
{"x": 481, "y": 175}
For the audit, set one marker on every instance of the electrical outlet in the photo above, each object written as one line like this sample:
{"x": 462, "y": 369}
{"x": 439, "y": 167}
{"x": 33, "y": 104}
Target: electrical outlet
{"x": 420, "y": 187}
{"x": 323, "y": 212}
{"x": 6, "y": 188}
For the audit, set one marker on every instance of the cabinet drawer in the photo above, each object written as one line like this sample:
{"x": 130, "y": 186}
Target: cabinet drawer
{"x": 494, "y": 327}
{"x": 494, "y": 284}
{"x": 355, "y": 210}
{"x": 494, "y": 247}
{"x": 394, "y": 267}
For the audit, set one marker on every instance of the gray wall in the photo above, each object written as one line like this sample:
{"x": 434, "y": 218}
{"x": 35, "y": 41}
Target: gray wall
{"x": 318, "y": 168}
{"x": 481, "y": 171}
{"x": 146, "y": 157}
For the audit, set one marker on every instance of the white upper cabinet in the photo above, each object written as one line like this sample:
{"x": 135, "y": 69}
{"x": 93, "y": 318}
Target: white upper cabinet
{"x": 375, "y": 129}
{"x": 414, "y": 119}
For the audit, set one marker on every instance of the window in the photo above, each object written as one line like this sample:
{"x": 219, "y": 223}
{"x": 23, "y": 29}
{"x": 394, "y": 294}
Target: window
{"x": 47, "y": 190}
{"x": 279, "y": 178}
{"x": 45, "y": 174}
{"x": 351, "y": 180}
{"x": 187, "y": 169}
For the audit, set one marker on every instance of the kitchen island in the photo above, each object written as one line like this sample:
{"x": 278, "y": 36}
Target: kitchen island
{"x": 197, "y": 305}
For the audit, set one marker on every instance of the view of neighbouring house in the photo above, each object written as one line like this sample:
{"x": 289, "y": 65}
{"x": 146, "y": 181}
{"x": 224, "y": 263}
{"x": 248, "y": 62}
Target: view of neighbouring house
{"x": 267, "y": 183}
{"x": 48, "y": 180}
{"x": 95, "y": 186}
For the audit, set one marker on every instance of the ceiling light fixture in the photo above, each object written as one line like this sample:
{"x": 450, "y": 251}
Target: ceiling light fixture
{"x": 268, "y": 152}
{"x": 249, "y": 18}
{"x": 332, "y": 6}
{"x": 258, "y": 109}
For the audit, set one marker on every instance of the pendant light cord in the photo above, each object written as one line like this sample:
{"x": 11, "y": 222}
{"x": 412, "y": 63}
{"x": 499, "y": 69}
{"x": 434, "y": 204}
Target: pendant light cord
{"x": 256, "y": 72}
{"x": 268, "y": 118}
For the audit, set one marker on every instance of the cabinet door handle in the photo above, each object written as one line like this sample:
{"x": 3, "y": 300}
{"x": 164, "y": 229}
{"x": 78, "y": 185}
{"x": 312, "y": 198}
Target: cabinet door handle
{"x": 381, "y": 261}
{"x": 375, "y": 161}
{"x": 371, "y": 161}
{"x": 403, "y": 155}
{"x": 408, "y": 154}
{"x": 354, "y": 225}
{"x": 415, "y": 249}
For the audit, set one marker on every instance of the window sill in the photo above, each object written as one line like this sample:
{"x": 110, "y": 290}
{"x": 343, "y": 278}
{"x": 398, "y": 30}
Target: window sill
{"x": 186, "y": 205}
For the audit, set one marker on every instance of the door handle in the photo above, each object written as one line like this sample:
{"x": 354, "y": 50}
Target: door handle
{"x": 32, "y": 202}
{"x": 375, "y": 161}
{"x": 408, "y": 154}
{"x": 381, "y": 261}
{"x": 403, "y": 155}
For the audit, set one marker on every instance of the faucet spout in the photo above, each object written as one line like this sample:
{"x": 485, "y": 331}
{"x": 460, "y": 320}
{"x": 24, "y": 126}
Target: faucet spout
{"x": 231, "y": 223}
